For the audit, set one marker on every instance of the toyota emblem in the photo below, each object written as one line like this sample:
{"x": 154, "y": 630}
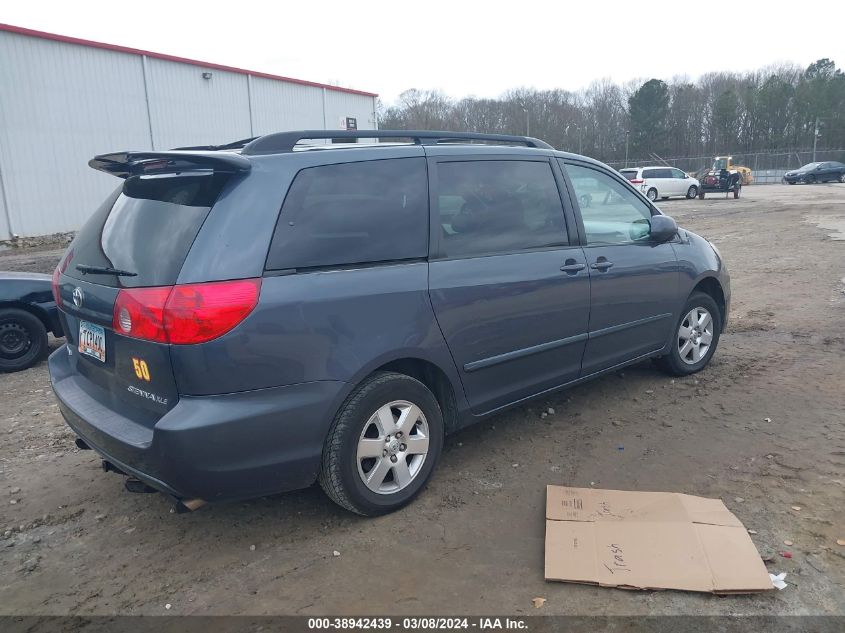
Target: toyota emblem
{"x": 78, "y": 296}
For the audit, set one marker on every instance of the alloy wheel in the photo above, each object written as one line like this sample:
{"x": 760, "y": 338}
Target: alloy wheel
{"x": 392, "y": 447}
{"x": 695, "y": 335}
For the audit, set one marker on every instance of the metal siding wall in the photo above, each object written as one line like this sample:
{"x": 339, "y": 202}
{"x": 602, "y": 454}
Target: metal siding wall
{"x": 343, "y": 104}
{"x": 61, "y": 104}
{"x": 186, "y": 109}
{"x": 279, "y": 106}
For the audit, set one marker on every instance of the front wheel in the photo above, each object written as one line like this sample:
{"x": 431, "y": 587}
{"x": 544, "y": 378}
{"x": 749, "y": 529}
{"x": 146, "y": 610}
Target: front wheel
{"x": 383, "y": 445}
{"x": 23, "y": 340}
{"x": 842, "y": 177}
{"x": 736, "y": 191}
{"x": 652, "y": 194}
{"x": 692, "y": 192}
{"x": 696, "y": 337}
{"x": 811, "y": 179}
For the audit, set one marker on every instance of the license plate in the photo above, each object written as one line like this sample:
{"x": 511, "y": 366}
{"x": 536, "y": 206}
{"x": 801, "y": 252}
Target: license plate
{"x": 92, "y": 340}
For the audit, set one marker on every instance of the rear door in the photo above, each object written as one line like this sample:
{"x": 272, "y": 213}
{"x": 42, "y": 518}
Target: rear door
{"x": 633, "y": 280}
{"x": 144, "y": 231}
{"x": 510, "y": 292}
{"x": 653, "y": 178}
{"x": 679, "y": 178}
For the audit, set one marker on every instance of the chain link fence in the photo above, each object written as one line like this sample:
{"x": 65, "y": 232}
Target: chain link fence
{"x": 767, "y": 167}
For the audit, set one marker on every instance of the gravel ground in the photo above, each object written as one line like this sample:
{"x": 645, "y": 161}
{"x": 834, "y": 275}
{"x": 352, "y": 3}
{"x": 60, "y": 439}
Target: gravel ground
{"x": 762, "y": 428}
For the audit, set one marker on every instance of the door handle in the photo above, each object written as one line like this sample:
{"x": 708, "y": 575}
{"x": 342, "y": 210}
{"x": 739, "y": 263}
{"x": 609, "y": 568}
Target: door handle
{"x": 572, "y": 267}
{"x": 602, "y": 265}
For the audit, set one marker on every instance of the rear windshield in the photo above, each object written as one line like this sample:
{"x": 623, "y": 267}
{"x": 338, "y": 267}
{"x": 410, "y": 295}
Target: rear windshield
{"x": 630, "y": 174}
{"x": 146, "y": 227}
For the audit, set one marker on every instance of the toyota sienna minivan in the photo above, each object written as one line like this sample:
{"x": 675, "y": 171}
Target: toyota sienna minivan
{"x": 248, "y": 319}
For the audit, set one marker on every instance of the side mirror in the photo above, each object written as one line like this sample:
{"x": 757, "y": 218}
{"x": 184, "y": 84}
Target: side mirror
{"x": 663, "y": 228}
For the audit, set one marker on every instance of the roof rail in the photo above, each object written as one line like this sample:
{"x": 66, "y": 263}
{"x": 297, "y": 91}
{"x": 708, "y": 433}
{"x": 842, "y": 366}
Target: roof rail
{"x": 285, "y": 141}
{"x": 216, "y": 148}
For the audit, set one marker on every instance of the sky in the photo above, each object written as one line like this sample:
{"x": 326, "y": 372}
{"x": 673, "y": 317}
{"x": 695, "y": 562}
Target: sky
{"x": 461, "y": 47}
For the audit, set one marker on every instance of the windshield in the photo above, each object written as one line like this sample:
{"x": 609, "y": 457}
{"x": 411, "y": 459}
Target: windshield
{"x": 809, "y": 166}
{"x": 720, "y": 163}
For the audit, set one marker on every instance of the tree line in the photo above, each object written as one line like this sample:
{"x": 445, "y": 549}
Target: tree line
{"x": 776, "y": 108}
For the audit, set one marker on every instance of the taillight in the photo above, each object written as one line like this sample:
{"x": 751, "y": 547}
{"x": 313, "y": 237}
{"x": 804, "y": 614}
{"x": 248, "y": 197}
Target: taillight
{"x": 57, "y": 275}
{"x": 139, "y": 313}
{"x": 186, "y": 314}
{"x": 57, "y": 295}
{"x": 637, "y": 181}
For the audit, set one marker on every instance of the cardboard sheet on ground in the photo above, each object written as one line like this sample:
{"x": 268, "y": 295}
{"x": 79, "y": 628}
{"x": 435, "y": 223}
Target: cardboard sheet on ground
{"x": 649, "y": 540}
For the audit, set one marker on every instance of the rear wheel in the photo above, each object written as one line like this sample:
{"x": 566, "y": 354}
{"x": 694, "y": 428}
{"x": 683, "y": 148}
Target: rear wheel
{"x": 701, "y": 195}
{"x": 696, "y": 337}
{"x": 383, "y": 445}
{"x": 23, "y": 340}
{"x": 651, "y": 194}
{"x": 692, "y": 192}
{"x": 842, "y": 177}
{"x": 736, "y": 190}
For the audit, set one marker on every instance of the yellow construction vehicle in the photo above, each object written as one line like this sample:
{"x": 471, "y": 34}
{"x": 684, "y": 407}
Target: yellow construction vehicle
{"x": 726, "y": 162}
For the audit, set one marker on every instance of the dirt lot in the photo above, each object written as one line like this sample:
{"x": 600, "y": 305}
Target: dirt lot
{"x": 763, "y": 428}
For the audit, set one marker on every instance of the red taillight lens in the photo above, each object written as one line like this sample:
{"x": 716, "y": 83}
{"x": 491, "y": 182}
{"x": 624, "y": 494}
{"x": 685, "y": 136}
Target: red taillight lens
{"x": 637, "y": 181}
{"x": 184, "y": 315}
{"x": 139, "y": 313}
{"x": 57, "y": 295}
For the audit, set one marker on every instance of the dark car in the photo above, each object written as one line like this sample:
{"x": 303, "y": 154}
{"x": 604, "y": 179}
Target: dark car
{"x": 27, "y": 313}
{"x": 829, "y": 171}
{"x": 245, "y": 320}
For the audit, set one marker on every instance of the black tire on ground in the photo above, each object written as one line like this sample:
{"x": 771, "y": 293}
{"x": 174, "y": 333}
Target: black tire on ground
{"x": 672, "y": 363}
{"x": 842, "y": 177}
{"x": 736, "y": 191}
{"x": 692, "y": 192}
{"x": 811, "y": 179}
{"x": 339, "y": 476}
{"x": 701, "y": 194}
{"x": 790, "y": 182}
{"x": 23, "y": 340}
{"x": 651, "y": 194}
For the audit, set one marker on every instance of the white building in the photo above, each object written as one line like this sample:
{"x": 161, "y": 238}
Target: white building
{"x": 63, "y": 100}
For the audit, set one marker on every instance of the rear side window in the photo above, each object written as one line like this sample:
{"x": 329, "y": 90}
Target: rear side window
{"x": 491, "y": 206}
{"x": 146, "y": 227}
{"x": 353, "y": 213}
{"x": 630, "y": 174}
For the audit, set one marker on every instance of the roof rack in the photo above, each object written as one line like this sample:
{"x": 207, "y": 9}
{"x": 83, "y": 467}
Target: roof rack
{"x": 216, "y": 148}
{"x": 285, "y": 141}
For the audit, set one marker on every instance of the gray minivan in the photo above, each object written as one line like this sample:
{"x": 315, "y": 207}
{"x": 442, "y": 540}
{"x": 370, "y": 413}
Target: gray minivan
{"x": 247, "y": 319}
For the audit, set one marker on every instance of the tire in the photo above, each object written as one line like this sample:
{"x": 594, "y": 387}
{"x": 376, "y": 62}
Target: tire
{"x": 701, "y": 195}
{"x": 811, "y": 179}
{"x": 673, "y": 363}
{"x": 692, "y": 192}
{"x": 23, "y": 340}
{"x": 736, "y": 191}
{"x": 842, "y": 177}
{"x": 651, "y": 194}
{"x": 344, "y": 472}
{"x": 790, "y": 182}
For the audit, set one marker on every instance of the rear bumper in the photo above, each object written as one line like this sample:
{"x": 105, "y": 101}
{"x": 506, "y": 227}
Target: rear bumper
{"x": 216, "y": 448}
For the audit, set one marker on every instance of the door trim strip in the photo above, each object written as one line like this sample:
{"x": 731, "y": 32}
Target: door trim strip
{"x": 544, "y": 347}
{"x": 519, "y": 353}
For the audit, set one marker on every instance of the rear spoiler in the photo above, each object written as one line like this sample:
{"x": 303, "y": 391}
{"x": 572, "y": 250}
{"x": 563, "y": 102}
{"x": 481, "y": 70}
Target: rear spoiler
{"x": 125, "y": 164}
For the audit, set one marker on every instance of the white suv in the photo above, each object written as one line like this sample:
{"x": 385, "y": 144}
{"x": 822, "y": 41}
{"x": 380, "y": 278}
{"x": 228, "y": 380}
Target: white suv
{"x": 661, "y": 182}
